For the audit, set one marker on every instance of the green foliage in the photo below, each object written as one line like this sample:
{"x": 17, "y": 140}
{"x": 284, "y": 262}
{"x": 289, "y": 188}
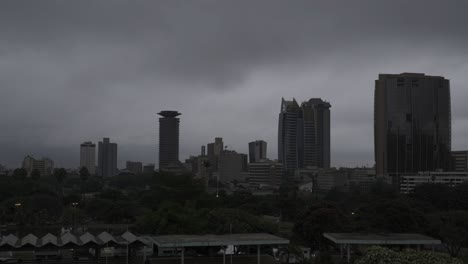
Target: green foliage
{"x": 19, "y": 173}
{"x": 389, "y": 215}
{"x": 35, "y": 174}
{"x": 59, "y": 175}
{"x": 452, "y": 228}
{"x": 84, "y": 174}
{"x": 73, "y": 216}
{"x": 173, "y": 218}
{"x": 379, "y": 255}
{"x": 318, "y": 219}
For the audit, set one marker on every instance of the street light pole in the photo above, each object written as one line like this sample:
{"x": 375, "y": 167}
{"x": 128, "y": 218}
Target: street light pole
{"x": 74, "y": 204}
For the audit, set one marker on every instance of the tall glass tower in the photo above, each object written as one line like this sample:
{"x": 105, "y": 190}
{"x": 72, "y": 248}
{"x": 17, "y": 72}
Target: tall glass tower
{"x": 412, "y": 123}
{"x": 168, "y": 138}
{"x": 304, "y": 134}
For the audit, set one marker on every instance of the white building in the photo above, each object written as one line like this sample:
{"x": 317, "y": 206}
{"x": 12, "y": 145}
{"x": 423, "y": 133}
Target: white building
{"x": 409, "y": 181}
{"x": 88, "y": 157}
{"x": 45, "y": 165}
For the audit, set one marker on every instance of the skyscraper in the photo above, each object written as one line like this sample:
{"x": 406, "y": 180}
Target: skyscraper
{"x": 257, "y": 151}
{"x": 304, "y": 134}
{"x": 289, "y": 134}
{"x": 88, "y": 157}
{"x": 168, "y": 138}
{"x": 412, "y": 123}
{"x": 107, "y": 158}
{"x": 316, "y": 141}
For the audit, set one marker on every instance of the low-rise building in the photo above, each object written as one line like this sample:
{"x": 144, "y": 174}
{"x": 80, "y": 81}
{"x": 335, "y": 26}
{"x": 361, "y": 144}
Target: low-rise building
{"x": 230, "y": 166}
{"x": 409, "y": 181}
{"x": 45, "y": 165}
{"x": 265, "y": 173}
{"x": 135, "y": 167}
{"x": 148, "y": 168}
{"x": 460, "y": 160}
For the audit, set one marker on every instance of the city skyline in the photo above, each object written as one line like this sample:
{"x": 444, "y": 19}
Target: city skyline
{"x": 226, "y": 82}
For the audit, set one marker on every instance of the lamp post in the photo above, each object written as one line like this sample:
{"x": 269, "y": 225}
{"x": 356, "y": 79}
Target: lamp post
{"x": 18, "y": 206}
{"x": 74, "y": 204}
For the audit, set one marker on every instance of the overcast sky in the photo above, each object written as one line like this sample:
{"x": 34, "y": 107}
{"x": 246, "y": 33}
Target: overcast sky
{"x": 74, "y": 71}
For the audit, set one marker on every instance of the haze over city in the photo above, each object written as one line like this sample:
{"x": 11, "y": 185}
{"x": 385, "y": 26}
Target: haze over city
{"x": 77, "y": 71}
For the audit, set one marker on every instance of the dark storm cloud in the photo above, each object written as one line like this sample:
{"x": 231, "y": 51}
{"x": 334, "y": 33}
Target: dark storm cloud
{"x": 72, "y": 71}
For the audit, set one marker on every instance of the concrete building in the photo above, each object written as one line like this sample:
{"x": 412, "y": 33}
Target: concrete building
{"x": 168, "y": 138}
{"x": 412, "y": 123}
{"x": 88, "y": 157}
{"x": 361, "y": 177}
{"x": 107, "y": 158}
{"x": 214, "y": 151}
{"x": 409, "y": 181}
{"x": 265, "y": 173}
{"x": 45, "y": 165}
{"x": 460, "y": 160}
{"x": 148, "y": 168}
{"x": 134, "y": 166}
{"x": 230, "y": 166}
{"x": 257, "y": 151}
{"x": 203, "y": 171}
{"x": 304, "y": 134}
{"x": 328, "y": 179}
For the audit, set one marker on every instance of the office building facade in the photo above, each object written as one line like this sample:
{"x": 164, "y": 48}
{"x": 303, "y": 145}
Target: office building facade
{"x": 257, "y": 151}
{"x": 88, "y": 157}
{"x": 168, "y": 138}
{"x": 214, "y": 151}
{"x": 304, "y": 134}
{"x": 412, "y": 123}
{"x": 230, "y": 166}
{"x": 265, "y": 173}
{"x": 107, "y": 158}
{"x": 316, "y": 133}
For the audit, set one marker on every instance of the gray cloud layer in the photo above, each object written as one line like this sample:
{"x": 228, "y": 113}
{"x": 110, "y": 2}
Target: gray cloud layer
{"x": 72, "y": 71}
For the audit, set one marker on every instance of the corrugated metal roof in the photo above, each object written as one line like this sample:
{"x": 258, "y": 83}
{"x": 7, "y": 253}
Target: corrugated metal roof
{"x": 69, "y": 238}
{"x": 106, "y": 238}
{"x": 9, "y": 240}
{"x": 89, "y": 238}
{"x": 48, "y": 239}
{"x": 30, "y": 239}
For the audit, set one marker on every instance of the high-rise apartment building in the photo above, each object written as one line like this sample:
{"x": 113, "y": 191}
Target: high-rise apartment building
{"x": 168, "y": 138}
{"x": 304, "y": 134}
{"x": 88, "y": 157}
{"x": 412, "y": 123}
{"x": 107, "y": 158}
{"x": 257, "y": 151}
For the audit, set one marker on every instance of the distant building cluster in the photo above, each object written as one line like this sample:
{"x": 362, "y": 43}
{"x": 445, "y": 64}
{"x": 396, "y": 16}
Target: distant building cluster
{"x": 412, "y": 145}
